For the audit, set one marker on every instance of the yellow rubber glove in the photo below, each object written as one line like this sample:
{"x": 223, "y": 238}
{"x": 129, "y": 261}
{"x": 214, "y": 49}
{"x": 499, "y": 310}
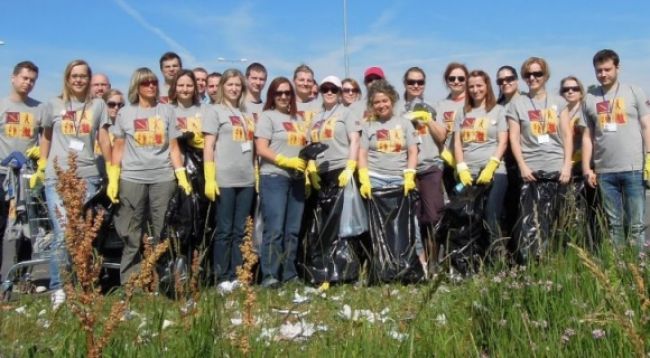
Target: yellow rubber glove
{"x": 364, "y": 178}
{"x": 181, "y": 176}
{"x": 448, "y": 158}
{"x": 422, "y": 116}
{"x": 347, "y": 173}
{"x": 464, "y": 174}
{"x": 487, "y": 174}
{"x": 112, "y": 189}
{"x": 312, "y": 173}
{"x": 211, "y": 187}
{"x": 409, "y": 181}
{"x": 196, "y": 141}
{"x": 290, "y": 163}
{"x": 33, "y": 152}
{"x": 646, "y": 167}
{"x": 307, "y": 185}
{"x": 39, "y": 176}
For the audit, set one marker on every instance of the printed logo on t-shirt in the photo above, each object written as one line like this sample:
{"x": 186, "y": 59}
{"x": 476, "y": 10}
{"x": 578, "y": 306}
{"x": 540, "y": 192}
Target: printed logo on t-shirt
{"x": 448, "y": 118}
{"x": 149, "y": 132}
{"x": 616, "y": 114}
{"x": 474, "y": 129}
{"x": 19, "y": 125}
{"x": 543, "y": 122}
{"x": 323, "y": 130}
{"x": 250, "y": 123}
{"x": 191, "y": 124}
{"x": 307, "y": 116}
{"x": 238, "y": 130}
{"x": 390, "y": 140}
{"x": 77, "y": 123}
{"x": 295, "y": 135}
{"x": 422, "y": 128}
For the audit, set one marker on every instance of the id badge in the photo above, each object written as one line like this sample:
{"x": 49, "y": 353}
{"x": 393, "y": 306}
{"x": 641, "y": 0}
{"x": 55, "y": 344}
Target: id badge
{"x": 246, "y": 147}
{"x": 76, "y": 145}
{"x": 610, "y": 127}
{"x": 543, "y": 138}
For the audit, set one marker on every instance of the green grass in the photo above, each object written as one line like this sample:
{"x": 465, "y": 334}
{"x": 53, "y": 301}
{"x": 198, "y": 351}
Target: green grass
{"x": 545, "y": 309}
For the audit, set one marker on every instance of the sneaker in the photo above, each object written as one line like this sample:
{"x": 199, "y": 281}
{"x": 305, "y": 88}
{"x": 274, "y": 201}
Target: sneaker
{"x": 270, "y": 282}
{"x": 224, "y": 288}
{"x": 58, "y": 298}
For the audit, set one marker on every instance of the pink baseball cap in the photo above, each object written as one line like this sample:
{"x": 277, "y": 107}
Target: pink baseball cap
{"x": 376, "y": 71}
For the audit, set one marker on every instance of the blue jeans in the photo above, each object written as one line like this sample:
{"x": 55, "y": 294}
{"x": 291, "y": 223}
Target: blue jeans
{"x": 282, "y": 201}
{"x": 56, "y": 212}
{"x": 232, "y": 209}
{"x": 494, "y": 204}
{"x": 623, "y": 196}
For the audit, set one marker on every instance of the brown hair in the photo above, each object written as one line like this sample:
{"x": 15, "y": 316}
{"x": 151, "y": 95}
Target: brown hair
{"x": 490, "y": 99}
{"x": 271, "y": 93}
{"x": 173, "y": 97}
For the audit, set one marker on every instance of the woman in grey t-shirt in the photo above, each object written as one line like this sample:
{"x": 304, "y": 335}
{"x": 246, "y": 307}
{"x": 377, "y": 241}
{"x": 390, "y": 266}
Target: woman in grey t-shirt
{"x": 72, "y": 123}
{"x": 480, "y": 139}
{"x": 229, "y": 174}
{"x": 146, "y": 157}
{"x": 280, "y": 134}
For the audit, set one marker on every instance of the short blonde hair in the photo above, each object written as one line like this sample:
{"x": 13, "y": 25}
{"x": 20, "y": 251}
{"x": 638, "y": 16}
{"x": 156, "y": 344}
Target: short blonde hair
{"x": 228, "y": 74}
{"x": 140, "y": 75}
{"x": 538, "y": 60}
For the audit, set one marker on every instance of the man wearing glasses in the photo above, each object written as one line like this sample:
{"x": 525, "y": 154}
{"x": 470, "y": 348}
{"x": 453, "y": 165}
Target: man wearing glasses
{"x": 616, "y": 131}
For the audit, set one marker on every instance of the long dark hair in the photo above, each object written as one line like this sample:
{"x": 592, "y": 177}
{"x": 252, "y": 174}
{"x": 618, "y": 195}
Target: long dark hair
{"x": 271, "y": 93}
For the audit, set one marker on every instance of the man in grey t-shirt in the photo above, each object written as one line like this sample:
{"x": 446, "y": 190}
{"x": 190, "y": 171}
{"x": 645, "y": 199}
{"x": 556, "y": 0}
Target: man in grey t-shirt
{"x": 616, "y": 131}
{"x": 255, "y": 81}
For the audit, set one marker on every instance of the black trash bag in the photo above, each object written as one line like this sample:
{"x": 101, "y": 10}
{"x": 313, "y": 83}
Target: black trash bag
{"x": 310, "y": 152}
{"x": 328, "y": 257}
{"x": 462, "y": 231}
{"x": 393, "y": 234}
{"x": 539, "y": 204}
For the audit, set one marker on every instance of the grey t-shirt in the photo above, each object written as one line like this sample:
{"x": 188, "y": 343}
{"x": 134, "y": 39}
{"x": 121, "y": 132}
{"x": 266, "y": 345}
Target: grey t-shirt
{"x": 446, "y": 110}
{"x": 615, "y": 121}
{"x": 146, "y": 133}
{"x": 192, "y": 118}
{"x": 19, "y": 124}
{"x": 387, "y": 144}
{"x": 541, "y": 140}
{"x": 332, "y": 128}
{"x": 233, "y": 154}
{"x": 254, "y": 109}
{"x": 307, "y": 110}
{"x": 428, "y": 152}
{"x": 74, "y": 128}
{"x": 286, "y": 135}
{"x": 479, "y": 134}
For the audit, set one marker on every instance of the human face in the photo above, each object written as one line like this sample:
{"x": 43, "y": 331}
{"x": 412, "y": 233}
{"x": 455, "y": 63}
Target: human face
{"x": 282, "y": 101}
{"x": 78, "y": 80}
{"x": 232, "y": 90}
{"x": 350, "y": 93}
{"x": 414, "y": 84}
{"x": 477, "y": 89}
{"x": 256, "y": 82}
{"x": 382, "y": 106}
{"x": 201, "y": 80}
{"x": 147, "y": 89}
{"x": 170, "y": 68}
{"x": 330, "y": 94}
{"x": 304, "y": 82}
{"x": 24, "y": 81}
{"x": 508, "y": 80}
{"x": 456, "y": 81}
{"x": 533, "y": 81}
{"x": 185, "y": 89}
{"x": 99, "y": 85}
{"x": 570, "y": 90}
{"x": 314, "y": 92}
{"x": 606, "y": 73}
{"x": 213, "y": 87}
{"x": 113, "y": 104}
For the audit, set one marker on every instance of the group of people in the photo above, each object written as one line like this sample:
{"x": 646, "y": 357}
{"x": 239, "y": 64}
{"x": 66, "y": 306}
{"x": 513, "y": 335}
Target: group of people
{"x": 250, "y": 146}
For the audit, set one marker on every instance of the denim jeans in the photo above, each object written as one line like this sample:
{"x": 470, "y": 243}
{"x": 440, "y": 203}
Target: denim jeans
{"x": 282, "y": 201}
{"x": 494, "y": 204}
{"x": 623, "y": 197}
{"x": 56, "y": 212}
{"x": 233, "y": 207}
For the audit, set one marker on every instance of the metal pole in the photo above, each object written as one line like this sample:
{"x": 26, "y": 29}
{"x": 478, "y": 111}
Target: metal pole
{"x": 346, "y": 58}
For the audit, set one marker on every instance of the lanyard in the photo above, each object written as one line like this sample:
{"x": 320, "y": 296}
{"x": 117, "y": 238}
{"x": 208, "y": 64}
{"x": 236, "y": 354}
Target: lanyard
{"x": 241, "y": 117}
{"x": 74, "y": 119}
{"x": 542, "y": 118}
{"x": 610, "y": 106}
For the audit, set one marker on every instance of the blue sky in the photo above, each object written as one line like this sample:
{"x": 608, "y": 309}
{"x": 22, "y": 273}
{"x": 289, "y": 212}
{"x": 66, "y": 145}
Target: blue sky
{"x": 117, "y": 36}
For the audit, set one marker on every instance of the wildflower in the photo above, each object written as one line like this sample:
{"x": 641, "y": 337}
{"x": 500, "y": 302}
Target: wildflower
{"x": 629, "y": 314}
{"x": 496, "y": 279}
{"x": 502, "y": 322}
{"x": 441, "y": 320}
{"x": 598, "y": 333}
{"x": 397, "y": 335}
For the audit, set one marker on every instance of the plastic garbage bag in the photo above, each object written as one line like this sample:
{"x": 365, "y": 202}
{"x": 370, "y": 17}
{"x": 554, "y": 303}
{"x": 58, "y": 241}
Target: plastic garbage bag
{"x": 392, "y": 226}
{"x": 354, "y": 219}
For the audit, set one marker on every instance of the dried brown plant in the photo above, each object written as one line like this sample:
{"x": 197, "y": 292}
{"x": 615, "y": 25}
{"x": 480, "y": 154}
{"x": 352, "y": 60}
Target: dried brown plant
{"x": 245, "y": 277}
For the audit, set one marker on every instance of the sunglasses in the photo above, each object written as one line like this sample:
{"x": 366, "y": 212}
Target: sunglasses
{"x": 570, "y": 88}
{"x": 416, "y": 82}
{"x": 351, "y": 90}
{"x": 503, "y": 80}
{"x": 460, "y": 79}
{"x": 283, "y": 93}
{"x": 147, "y": 83}
{"x": 114, "y": 104}
{"x": 328, "y": 89}
{"x": 536, "y": 74}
